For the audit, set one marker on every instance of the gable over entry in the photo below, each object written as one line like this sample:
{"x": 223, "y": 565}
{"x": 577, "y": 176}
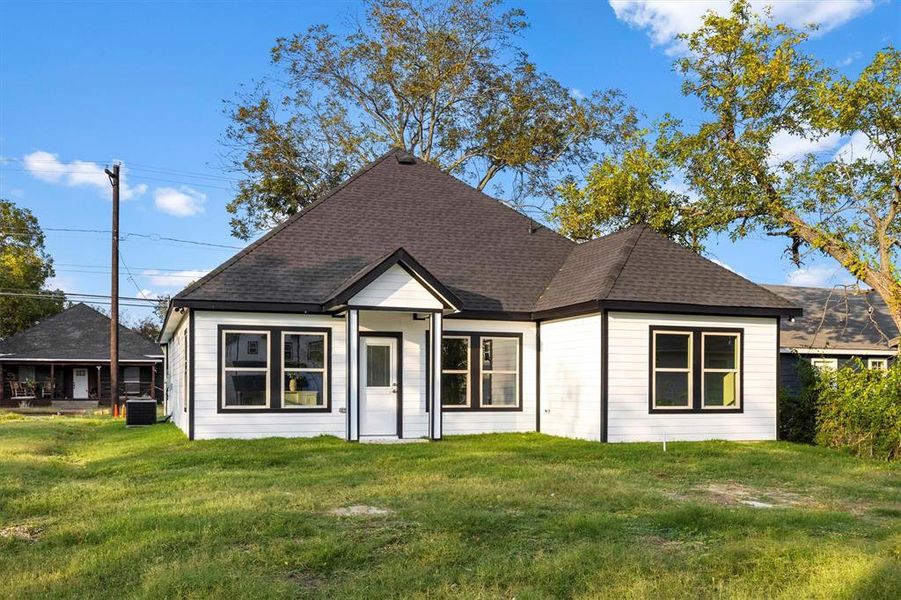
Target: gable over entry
{"x": 395, "y": 282}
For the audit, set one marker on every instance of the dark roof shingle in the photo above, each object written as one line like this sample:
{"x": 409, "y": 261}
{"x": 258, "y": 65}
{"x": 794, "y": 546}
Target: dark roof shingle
{"x": 79, "y": 332}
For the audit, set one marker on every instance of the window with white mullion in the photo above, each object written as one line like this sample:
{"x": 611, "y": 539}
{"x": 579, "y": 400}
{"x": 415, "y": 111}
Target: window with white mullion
{"x": 499, "y": 372}
{"x": 304, "y": 369}
{"x": 720, "y": 371}
{"x": 455, "y": 371}
{"x": 672, "y": 380}
{"x": 245, "y": 369}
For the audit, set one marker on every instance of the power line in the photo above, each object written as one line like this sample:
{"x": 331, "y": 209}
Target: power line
{"x": 55, "y": 264}
{"x": 87, "y": 300}
{"x": 93, "y": 171}
{"x": 127, "y": 165}
{"x": 131, "y": 277}
{"x": 55, "y": 294}
{"x": 123, "y": 236}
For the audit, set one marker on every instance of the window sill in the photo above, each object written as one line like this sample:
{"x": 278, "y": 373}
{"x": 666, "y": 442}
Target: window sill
{"x": 241, "y": 411}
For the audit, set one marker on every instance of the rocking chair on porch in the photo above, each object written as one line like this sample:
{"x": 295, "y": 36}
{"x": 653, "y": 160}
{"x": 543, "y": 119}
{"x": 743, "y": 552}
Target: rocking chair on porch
{"x": 20, "y": 392}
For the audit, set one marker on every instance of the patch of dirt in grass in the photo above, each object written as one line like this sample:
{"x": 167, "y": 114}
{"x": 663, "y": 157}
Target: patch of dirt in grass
{"x": 735, "y": 494}
{"x": 21, "y": 532}
{"x": 360, "y": 510}
{"x": 308, "y": 581}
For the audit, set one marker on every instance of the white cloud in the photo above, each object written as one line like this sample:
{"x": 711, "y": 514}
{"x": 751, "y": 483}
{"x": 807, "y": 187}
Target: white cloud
{"x": 858, "y": 146}
{"x": 173, "y": 279}
{"x": 818, "y": 276}
{"x": 577, "y": 93}
{"x": 787, "y": 146}
{"x": 48, "y": 167}
{"x": 850, "y": 58}
{"x": 181, "y": 202}
{"x": 665, "y": 19}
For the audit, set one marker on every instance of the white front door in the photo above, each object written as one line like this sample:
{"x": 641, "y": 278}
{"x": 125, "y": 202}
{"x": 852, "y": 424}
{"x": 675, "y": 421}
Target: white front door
{"x": 378, "y": 386}
{"x": 80, "y": 384}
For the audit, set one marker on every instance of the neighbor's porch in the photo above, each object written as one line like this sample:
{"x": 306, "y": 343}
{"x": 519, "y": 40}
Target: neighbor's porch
{"x": 41, "y": 383}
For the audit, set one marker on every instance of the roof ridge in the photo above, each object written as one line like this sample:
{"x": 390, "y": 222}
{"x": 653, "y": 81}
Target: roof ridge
{"x": 193, "y": 287}
{"x": 626, "y": 254}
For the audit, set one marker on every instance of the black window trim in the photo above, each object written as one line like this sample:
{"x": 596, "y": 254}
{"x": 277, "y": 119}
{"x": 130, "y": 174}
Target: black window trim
{"x": 276, "y": 374}
{"x": 475, "y": 371}
{"x": 697, "y": 371}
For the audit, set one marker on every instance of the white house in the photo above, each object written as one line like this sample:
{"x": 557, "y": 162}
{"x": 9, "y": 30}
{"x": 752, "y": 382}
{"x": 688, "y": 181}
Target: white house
{"x": 326, "y": 325}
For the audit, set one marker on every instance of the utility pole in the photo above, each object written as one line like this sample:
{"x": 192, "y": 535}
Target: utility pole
{"x": 114, "y": 299}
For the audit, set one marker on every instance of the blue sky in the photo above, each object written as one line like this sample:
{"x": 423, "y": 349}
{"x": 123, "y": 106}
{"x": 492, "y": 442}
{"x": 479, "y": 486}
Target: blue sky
{"x": 144, "y": 83}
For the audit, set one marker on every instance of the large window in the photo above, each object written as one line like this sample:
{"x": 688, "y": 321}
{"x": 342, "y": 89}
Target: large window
{"x": 481, "y": 371}
{"x": 245, "y": 369}
{"x": 672, "y": 378}
{"x": 695, "y": 370}
{"x": 455, "y": 371}
{"x": 274, "y": 369}
{"x": 304, "y": 371}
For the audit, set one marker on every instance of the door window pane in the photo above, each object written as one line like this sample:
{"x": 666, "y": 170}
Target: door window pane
{"x": 304, "y": 351}
{"x": 499, "y": 389}
{"x": 378, "y": 366}
{"x": 304, "y": 389}
{"x": 672, "y": 350}
{"x": 245, "y": 350}
{"x": 671, "y": 389}
{"x": 453, "y": 389}
{"x": 245, "y": 389}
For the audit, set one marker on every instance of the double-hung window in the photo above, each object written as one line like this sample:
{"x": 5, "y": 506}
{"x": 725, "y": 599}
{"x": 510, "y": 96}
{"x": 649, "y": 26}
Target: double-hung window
{"x": 481, "y": 371}
{"x": 245, "y": 372}
{"x": 721, "y": 370}
{"x": 455, "y": 388}
{"x": 695, "y": 370}
{"x": 672, "y": 378}
{"x": 500, "y": 372}
{"x": 304, "y": 369}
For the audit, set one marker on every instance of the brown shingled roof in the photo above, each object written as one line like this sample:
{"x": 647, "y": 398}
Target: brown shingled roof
{"x": 836, "y": 319}
{"x": 491, "y": 257}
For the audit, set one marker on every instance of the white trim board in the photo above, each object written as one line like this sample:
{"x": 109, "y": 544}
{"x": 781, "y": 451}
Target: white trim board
{"x": 837, "y": 351}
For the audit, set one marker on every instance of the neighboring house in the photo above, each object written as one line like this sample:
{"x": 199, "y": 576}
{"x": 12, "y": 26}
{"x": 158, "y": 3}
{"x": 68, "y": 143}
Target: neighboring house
{"x": 326, "y": 325}
{"x": 836, "y": 328}
{"x": 66, "y": 357}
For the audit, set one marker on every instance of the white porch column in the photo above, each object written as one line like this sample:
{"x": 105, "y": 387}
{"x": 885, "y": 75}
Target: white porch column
{"x": 353, "y": 375}
{"x": 435, "y": 415}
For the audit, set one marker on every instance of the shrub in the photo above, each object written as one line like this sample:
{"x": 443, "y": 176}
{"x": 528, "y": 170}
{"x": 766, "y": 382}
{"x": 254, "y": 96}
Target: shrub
{"x": 798, "y": 411}
{"x": 860, "y": 409}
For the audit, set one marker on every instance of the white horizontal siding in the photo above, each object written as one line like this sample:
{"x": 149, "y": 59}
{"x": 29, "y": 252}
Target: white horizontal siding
{"x": 210, "y": 424}
{"x": 175, "y": 376}
{"x": 396, "y": 288}
{"x": 571, "y": 377}
{"x": 487, "y": 421}
{"x": 629, "y": 364}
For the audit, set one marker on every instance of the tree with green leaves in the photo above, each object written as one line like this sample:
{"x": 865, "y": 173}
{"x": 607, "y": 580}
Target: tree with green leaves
{"x": 150, "y": 325}
{"x": 756, "y": 86}
{"x": 25, "y": 268}
{"x": 440, "y": 79}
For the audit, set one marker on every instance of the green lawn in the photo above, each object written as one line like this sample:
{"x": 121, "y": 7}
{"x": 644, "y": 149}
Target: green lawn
{"x": 90, "y": 509}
